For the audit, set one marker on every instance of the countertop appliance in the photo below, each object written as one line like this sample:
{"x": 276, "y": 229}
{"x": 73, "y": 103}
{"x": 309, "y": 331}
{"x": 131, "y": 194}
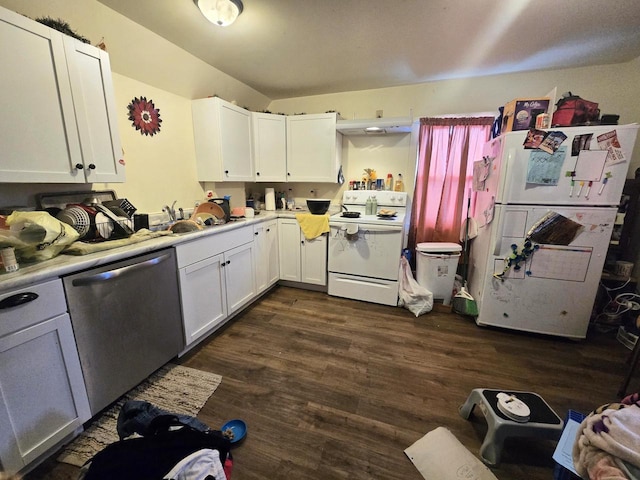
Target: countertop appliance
{"x": 127, "y": 322}
{"x": 566, "y": 202}
{"x": 364, "y": 252}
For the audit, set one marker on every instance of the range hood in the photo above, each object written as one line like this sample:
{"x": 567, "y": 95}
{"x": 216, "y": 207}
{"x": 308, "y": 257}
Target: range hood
{"x": 375, "y": 126}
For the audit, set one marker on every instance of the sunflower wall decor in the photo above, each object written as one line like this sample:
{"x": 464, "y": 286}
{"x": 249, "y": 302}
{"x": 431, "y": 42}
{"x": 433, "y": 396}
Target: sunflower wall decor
{"x": 144, "y": 116}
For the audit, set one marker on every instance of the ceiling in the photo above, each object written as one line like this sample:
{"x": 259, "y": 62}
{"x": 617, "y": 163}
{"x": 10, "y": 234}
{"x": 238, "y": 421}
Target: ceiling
{"x": 293, "y": 48}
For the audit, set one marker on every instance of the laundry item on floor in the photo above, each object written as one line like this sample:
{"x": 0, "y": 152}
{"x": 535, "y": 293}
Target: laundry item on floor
{"x": 607, "y": 443}
{"x": 137, "y": 416}
{"x": 170, "y": 449}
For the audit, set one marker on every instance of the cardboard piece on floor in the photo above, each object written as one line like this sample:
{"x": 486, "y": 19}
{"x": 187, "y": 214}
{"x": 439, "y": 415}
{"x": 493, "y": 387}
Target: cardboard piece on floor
{"x": 440, "y": 455}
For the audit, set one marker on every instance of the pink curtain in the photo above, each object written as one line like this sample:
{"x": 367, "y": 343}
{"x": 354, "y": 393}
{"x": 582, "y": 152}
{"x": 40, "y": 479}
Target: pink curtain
{"x": 446, "y": 152}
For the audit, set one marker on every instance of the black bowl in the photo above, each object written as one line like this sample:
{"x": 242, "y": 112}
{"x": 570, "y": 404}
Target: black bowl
{"x": 318, "y": 206}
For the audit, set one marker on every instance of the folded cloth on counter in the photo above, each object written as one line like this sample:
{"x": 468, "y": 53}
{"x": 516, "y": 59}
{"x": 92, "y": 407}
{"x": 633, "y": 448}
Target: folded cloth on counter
{"x": 83, "y": 248}
{"x": 312, "y": 226}
{"x": 608, "y": 435}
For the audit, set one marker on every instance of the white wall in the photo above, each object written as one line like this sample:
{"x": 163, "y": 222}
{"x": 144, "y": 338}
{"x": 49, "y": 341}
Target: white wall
{"x": 614, "y": 87}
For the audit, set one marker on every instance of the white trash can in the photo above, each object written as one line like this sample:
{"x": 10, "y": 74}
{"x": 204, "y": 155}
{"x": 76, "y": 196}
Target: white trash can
{"x": 436, "y": 265}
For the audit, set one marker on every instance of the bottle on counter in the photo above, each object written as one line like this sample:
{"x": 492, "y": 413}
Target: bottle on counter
{"x": 374, "y": 205}
{"x": 368, "y": 206}
{"x": 388, "y": 185}
{"x": 399, "y": 185}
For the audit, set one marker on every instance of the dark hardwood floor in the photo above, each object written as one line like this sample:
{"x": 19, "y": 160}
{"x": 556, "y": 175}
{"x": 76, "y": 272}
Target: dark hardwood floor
{"x": 337, "y": 389}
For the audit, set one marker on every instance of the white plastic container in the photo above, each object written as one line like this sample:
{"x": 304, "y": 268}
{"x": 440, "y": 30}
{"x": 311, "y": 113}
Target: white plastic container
{"x": 436, "y": 265}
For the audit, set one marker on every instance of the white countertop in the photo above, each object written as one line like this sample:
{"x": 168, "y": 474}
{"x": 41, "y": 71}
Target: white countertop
{"x": 65, "y": 264}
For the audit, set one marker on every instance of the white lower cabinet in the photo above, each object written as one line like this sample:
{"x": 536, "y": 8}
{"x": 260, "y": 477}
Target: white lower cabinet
{"x": 266, "y": 254}
{"x": 216, "y": 280}
{"x": 44, "y": 399}
{"x": 301, "y": 260}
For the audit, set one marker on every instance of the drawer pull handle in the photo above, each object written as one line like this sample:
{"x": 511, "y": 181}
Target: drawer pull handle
{"x": 18, "y": 299}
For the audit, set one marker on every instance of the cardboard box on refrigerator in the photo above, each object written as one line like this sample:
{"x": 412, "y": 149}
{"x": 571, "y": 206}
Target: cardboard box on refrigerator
{"x": 521, "y": 113}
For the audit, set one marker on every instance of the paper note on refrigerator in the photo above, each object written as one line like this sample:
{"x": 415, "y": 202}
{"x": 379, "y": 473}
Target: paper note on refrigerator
{"x": 561, "y": 263}
{"x": 610, "y": 142}
{"x": 590, "y": 165}
{"x": 545, "y": 168}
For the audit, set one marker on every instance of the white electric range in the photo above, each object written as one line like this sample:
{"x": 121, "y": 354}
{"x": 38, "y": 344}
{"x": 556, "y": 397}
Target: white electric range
{"x": 364, "y": 252}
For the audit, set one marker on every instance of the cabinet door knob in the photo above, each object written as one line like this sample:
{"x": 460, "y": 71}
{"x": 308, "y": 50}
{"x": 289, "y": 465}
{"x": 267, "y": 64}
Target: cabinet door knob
{"x": 255, "y": 233}
{"x": 288, "y": 174}
{"x": 226, "y": 172}
{"x": 268, "y": 229}
{"x": 79, "y": 166}
{"x": 228, "y": 262}
{"x": 258, "y": 174}
{"x": 302, "y": 242}
{"x": 18, "y": 299}
{"x": 92, "y": 166}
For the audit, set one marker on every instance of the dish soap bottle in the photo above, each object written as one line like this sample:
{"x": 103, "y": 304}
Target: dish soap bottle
{"x": 374, "y": 205}
{"x": 399, "y": 186}
{"x": 368, "y": 206}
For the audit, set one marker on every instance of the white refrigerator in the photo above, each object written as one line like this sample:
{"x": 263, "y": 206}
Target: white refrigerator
{"x": 545, "y": 214}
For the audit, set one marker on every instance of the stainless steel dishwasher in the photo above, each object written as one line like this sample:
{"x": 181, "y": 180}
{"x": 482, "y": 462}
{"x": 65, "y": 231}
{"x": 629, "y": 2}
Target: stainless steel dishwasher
{"x": 127, "y": 322}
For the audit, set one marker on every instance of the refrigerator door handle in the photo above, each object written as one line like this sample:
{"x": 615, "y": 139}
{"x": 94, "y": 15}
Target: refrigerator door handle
{"x": 499, "y": 233}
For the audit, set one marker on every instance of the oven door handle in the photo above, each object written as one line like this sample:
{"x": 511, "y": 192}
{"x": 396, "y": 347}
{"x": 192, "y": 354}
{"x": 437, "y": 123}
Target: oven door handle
{"x": 118, "y": 272}
{"x": 370, "y": 227}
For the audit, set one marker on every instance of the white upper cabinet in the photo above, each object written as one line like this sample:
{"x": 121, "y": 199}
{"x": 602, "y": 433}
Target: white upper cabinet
{"x": 58, "y": 123}
{"x": 222, "y": 137}
{"x": 314, "y": 148}
{"x": 269, "y": 147}
{"x": 94, "y": 100}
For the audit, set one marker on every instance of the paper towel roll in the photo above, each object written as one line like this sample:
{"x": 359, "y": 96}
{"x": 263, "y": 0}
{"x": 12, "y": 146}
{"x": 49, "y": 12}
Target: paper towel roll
{"x": 269, "y": 199}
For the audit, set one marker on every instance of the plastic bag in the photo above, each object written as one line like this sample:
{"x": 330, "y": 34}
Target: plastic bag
{"x": 36, "y": 236}
{"x": 413, "y": 296}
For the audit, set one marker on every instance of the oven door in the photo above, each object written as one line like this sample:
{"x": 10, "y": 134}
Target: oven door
{"x": 373, "y": 251}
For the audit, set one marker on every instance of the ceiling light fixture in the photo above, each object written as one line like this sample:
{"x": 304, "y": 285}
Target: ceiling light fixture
{"x": 220, "y": 12}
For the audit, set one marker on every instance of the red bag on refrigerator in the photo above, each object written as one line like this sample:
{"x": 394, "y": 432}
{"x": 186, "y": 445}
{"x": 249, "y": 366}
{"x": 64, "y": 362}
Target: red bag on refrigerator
{"x": 571, "y": 110}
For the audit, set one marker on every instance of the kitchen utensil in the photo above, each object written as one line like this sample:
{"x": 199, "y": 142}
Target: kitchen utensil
{"x": 348, "y": 214}
{"x": 121, "y": 228}
{"x": 212, "y": 208}
{"x": 104, "y": 226}
{"x": 318, "y": 206}
{"x": 185, "y": 226}
{"x": 224, "y": 203}
{"x": 351, "y": 214}
{"x": 77, "y": 217}
{"x": 204, "y": 218}
{"x": 387, "y": 213}
{"x": 123, "y": 204}
{"x": 235, "y": 430}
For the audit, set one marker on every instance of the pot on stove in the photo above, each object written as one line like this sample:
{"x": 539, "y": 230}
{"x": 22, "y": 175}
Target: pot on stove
{"x": 348, "y": 214}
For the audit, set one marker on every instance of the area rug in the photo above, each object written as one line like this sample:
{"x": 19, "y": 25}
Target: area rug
{"x": 173, "y": 388}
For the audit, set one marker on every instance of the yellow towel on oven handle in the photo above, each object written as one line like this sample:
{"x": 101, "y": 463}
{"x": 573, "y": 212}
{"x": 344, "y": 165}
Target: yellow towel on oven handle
{"x": 312, "y": 225}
